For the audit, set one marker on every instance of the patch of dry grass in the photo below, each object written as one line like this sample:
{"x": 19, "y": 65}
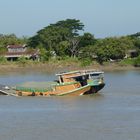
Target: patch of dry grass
{"x": 58, "y": 66}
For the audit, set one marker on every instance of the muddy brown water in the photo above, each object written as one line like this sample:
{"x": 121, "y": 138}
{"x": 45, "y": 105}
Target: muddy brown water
{"x": 112, "y": 114}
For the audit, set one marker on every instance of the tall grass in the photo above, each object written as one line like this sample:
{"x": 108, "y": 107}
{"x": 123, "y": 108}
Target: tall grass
{"x": 3, "y": 60}
{"x": 128, "y": 61}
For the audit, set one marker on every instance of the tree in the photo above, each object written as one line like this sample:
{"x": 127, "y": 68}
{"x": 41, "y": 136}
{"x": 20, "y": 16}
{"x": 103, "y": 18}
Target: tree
{"x": 62, "y": 49}
{"x": 52, "y": 36}
{"x": 73, "y": 25}
{"x": 73, "y": 48}
{"x": 88, "y": 52}
{"x": 44, "y": 54}
{"x": 135, "y": 35}
{"x": 86, "y": 40}
{"x": 113, "y": 48}
{"x": 11, "y": 39}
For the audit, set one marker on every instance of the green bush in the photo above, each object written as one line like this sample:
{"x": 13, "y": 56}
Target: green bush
{"x": 45, "y": 55}
{"x": 22, "y": 60}
{"x": 137, "y": 61}
{"x": 127, "y": 61}
{"x": 86, "y": 62}
{"x": 3, "y": 59}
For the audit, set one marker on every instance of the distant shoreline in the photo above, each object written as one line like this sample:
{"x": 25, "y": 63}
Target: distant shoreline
{"x": 52, "y": 67}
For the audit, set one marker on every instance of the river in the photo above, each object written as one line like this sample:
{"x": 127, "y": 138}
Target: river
{"x": 112, "y": 114}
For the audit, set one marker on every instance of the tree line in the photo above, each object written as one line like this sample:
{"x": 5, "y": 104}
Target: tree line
{"x": 66, "y": 38}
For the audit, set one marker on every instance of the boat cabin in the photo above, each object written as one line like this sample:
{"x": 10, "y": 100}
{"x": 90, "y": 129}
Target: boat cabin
{"x": 81, "y": 76}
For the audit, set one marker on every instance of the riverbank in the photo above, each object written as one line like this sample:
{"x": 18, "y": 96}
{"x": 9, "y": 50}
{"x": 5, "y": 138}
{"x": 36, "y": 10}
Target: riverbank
{"x": 60, "y": 66}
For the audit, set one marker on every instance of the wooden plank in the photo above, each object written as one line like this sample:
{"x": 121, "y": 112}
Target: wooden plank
{"x": 9, "y": 92}
{"x": 6, "y": 90}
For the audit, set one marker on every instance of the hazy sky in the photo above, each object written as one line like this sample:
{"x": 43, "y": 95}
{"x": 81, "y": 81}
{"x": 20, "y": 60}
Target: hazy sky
{"x": 101, "y": 17}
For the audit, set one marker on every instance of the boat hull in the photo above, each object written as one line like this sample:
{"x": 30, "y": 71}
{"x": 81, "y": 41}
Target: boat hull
{"x": 89, "y": 89}
{"x": 95, "y": 89}
{"x": 85, "y": 90}
{"x": 76, "y": 92}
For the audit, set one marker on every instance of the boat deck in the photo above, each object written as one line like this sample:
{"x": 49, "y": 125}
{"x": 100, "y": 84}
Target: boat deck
{"x": 6, "y": 90}
{"x": 38, "y": 85}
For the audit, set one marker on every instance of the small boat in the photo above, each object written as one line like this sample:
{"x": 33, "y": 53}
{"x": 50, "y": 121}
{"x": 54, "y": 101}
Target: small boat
{"x": 74, "y": 83}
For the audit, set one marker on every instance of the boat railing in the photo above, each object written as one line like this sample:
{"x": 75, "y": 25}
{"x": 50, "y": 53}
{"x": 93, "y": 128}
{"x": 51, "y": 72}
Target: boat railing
{"x": 80, "y": 72}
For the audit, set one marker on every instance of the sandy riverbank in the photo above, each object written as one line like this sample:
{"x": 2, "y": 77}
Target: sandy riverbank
{"x": 52, "y": 67}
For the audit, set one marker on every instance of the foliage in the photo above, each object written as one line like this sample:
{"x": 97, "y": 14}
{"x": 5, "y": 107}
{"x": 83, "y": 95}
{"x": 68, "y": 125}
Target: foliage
{"x": 73, "y": 25}
{"x": 86, "y": 62}
{"x": 3, "y": 59}
{"x": 61, "y": 36}
{"x": 127, "y": 61}
{"x": 87, "y": 39}
{"x": 22, "y": 60}
{"x": 135, "y": 35}
{"x": 62, "y": 48}
{"x": 64, "y": 39}
{"x": 11, "y": 39}
{"x": 2, "y": 50}
{"x": 44, "y": 55}
{"x": 74, "y": 46}
{"x": 88, "y": 52}
{"x": 136, "y": 41}
{"x": 113, "y": 48}
{"x": 137, "y": 61}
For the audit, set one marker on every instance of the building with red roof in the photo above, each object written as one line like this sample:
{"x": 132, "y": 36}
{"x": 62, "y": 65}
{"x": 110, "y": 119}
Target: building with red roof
{"x": 16, "y": 51}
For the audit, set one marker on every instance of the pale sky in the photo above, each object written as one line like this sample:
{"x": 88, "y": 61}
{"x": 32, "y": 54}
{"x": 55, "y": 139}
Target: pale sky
{"x": 103, "y": 18}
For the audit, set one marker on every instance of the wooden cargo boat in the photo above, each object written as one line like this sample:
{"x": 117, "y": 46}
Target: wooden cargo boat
{"x": 72, "y": 83}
